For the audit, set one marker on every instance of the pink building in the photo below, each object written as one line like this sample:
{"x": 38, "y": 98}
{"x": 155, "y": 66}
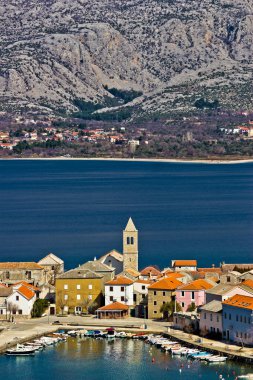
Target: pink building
{"x": 194, "y": 292}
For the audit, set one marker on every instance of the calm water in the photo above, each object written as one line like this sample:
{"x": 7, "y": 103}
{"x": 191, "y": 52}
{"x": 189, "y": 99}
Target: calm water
{"x": 120, "y": 359}
{"x": 77, "y": 209}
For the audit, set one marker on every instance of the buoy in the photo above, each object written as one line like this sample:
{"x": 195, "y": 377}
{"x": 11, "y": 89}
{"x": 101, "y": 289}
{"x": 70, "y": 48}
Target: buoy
{"x": 180, "y": 370}
{"x": 153, "y": 360}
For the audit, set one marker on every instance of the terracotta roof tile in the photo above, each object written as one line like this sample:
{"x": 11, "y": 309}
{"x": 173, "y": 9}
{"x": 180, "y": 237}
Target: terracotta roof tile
{"x": 29, "y": 286}
{"x": 248, "y": 283}
{"x": 27, "y": 293}
{"x": 197, "y": 285}
{"x": 150, "y": 271}
{"x": 120, "y": 281}
{"x": 20, "y": 265}
{"x": 210, "y": 270}
{"x": 115, "y": 306}
{"x": 166, "y": 284}
{"x": 243, "y": 302}
{"x": 183, "y": 263}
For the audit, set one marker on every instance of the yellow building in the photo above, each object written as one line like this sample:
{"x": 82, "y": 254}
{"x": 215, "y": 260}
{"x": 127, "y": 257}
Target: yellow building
{"x": 159, "y": 293}
{"x": 78, "y": 291}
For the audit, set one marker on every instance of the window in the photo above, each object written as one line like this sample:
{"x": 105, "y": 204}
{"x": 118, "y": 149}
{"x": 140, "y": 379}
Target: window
{"x": 164, "y": 294}
{"x": 237, "y": 334}
{"x": 66, "y": 308}
{"x": 182, "y": 304}
{"x": 225, "y": 315}
{"x": 135, "y": 297}
{"x": 111, "y": 288}
{"x": 66, "y": 297}
{"x": 78, "y": 297}
{"x": 241, "y": 318}
{"x": 17, "y": 298}
{"x": 229, "y": 317}
{"x": 90, "y": 286}
{"x": 143, "y": 296}
{"x": 132, "y": 240}
{"x": 245, "y": 335}
{"x": 228, "y": 279}
{"x": 245, "y": 319}
{"x": 182, "y": 294}
{"x": 89, "y": 297}
{"x": 237, "y": 318}
{"x": 163, "y": 302}
{"x": 122, "y": 288}
{"x": 66, "y": 287}
{"x": 20, "y": 312}
{"x": 143, "y": 287}
{"x": 155, "y": 303}
{"x": 218, "y": 319}
{"x": 204, "y": 315}
{"x": 155, "y": 312}
{"x": 29, "y": 274}
{"x": 193, "y": 295}
{"x": 122, "y": 298}
{"x": 211, "y": 317}
{"x": 128, "y": 240}
{"x": 7, "y": 275}
{"x": 111, "y": 298}
{"x": 78, "y": 287}
{"x": 155, "y": 293}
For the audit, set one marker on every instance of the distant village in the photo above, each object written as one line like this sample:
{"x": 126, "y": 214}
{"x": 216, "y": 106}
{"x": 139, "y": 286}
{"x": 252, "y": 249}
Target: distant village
{"x": 213, "y": 302}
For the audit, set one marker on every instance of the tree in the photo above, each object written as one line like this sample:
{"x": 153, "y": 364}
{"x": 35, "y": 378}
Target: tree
{"x": 168, "y": 308}
{"x": 60, "y": 301}
{"x": 39, "y": 307}
{"x": 191, "y": 307}
{"x": 12, "y": 309}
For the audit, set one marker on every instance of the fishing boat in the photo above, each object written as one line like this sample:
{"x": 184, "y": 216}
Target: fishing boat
{"x": 21, "y": 350}
{"x": 217, "y": 359}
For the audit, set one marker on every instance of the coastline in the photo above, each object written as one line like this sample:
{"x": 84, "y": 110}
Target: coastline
{"x": 149, "y": 160}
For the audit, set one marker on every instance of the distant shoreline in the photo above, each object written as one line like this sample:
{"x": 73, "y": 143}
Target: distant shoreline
{"x": 154, "y": 160}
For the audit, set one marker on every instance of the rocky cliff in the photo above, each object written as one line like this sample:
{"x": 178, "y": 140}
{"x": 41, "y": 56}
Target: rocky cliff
{"x": 174, "y": 52}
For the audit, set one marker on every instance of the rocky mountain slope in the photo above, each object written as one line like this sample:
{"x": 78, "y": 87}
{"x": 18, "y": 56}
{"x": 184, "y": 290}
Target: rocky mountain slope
{"x": 174, "y": 52}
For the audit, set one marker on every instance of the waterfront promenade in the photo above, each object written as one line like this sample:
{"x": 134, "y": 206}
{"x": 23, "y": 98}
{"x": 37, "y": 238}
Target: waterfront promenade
{"x": 25, "y": 330}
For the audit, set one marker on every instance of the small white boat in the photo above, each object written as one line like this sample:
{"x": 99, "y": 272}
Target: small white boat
{"x": 216, "y": 359}
{"x": 20, "y": 350}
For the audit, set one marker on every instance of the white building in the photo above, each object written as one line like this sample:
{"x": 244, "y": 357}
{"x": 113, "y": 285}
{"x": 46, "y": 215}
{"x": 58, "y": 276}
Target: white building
{"x": 121, "y": 289}
{"x": 21, "y": 301}
{"x": 184, "y": 265}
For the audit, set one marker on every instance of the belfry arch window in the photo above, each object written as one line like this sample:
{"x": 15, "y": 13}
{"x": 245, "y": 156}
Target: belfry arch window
{"x": 130, "y": 241}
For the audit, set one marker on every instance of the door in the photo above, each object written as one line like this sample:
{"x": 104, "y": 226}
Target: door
{"x": 228, "y": 336}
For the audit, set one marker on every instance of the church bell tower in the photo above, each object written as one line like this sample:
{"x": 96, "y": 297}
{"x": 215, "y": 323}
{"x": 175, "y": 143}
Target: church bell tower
{"x": 130, "y": 246}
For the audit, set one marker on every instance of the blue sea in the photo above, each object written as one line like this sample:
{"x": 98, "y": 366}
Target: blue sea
{"x": 78, "y": 209}
{"x": 120, "y": 359}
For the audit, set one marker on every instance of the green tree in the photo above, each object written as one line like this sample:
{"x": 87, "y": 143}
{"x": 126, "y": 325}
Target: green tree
{"x": 168, "y": 308}
{"x": 39, "y": 307}
{"x": 191, "y": 307}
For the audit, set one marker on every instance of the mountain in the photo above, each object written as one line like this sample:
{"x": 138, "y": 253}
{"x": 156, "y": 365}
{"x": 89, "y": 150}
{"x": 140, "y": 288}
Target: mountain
{"x": 152, "y": 57}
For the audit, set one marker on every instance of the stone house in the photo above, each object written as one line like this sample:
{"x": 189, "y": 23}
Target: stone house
{"x": 113, "y": 259}
{"x": 78, "y": 290}
{"x": 53, "y": 265}
{"x": 103, "y": 270}
{"x": 159, "y": 293}
{"x": 221, "y": 292}
{"x": 12, "y": 272}
{"x": 230, "y": 277}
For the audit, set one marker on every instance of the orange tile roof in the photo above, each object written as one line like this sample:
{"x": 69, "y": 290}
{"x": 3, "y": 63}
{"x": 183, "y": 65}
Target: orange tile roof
{"x": 184, "y": 263}
{"x": 150, "y": 271}
{"x": 210, "y": 270}
{"x": 120, "y": 281}
{"x": 132, "y": 272}
{"x": 166, "y": 284}
{"x": 27, "y": 293}
{"x": 29, "y": 286}
{"x": 144, "y": 282}
{"x": 248, "y": 283}
{"x": 115, "y": 306}
{"x": 244, "y": 302}
{"x": 20, "y": 265}
{"x": 174, "y": 275}
{"x": 197, "y": 285}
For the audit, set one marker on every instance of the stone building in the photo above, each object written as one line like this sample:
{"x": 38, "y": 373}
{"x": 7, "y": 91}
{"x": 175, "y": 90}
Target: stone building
{"x": 12, "y": 272}
{"x": 53, "y": 265}
{"x": 113, "y": 259}
{"x": 130, "y": 246}
{"x": 159, "y": 293}
{"x": 78, "y": 291}
{"x": 108, "y": 273}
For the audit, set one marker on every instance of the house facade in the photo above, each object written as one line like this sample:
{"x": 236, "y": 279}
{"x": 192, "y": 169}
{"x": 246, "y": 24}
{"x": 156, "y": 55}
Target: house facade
{"x": 193, "y": 293}
{"x": 120, "y": 290}
{"x": 20, "y": 302}
{"x": 237, "y": 320}
{"x": 211, "y": 319}
{"x": 53, "y": 265}
{"x": 113, "y": 259}
{"x": 77, "y": 291}
{"x": 159, "y": 293}
{"x": 184, "y": 265}
{"x": 12, "y": 272}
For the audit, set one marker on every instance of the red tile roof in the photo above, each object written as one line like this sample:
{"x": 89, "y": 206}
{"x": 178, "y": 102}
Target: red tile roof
{"x": 197, "y": 285}
{"x": 248, "y": 283}
{"x": 20, "y": 265}
{"x": 185, "y": 263}
{"x": 29, "y": 286}
{"x": 150, "y": 271}
{"x": 243, "y": 302}
{"x": 210, "y": 270}
{"x": 115, "y": 306}
{"x": 120, "y": 281}
{"x": 27, "y": 293}
{"x": 166, "y": 284}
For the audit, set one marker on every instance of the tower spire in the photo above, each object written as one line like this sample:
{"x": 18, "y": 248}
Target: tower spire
{"x": 130, "y": 246}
